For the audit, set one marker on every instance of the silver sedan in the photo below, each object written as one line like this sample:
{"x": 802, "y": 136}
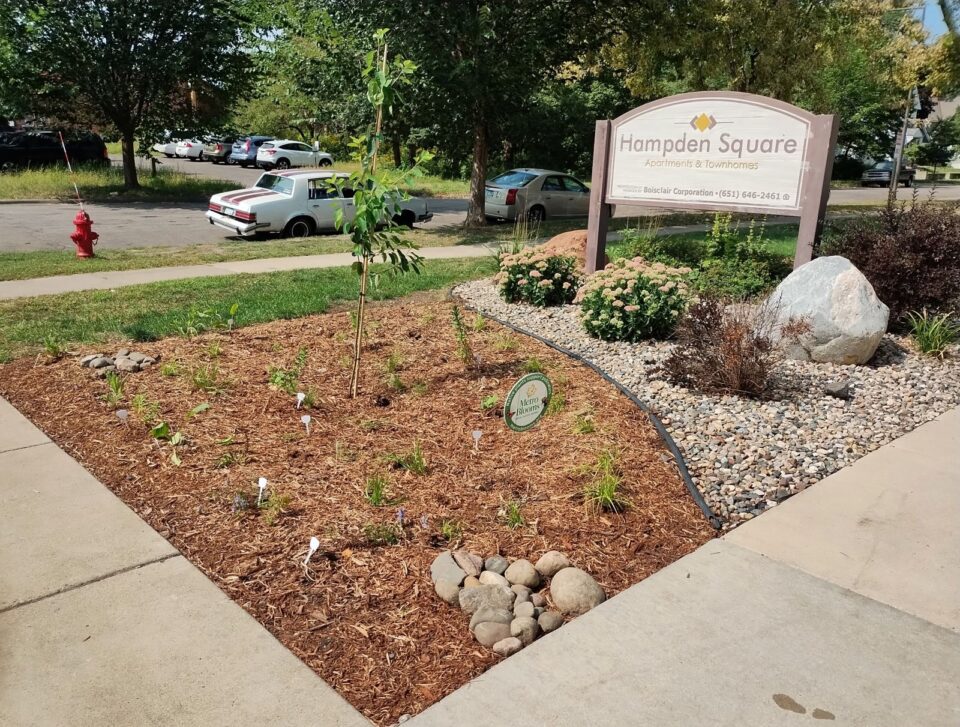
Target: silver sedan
{"x": 537, "y": 193}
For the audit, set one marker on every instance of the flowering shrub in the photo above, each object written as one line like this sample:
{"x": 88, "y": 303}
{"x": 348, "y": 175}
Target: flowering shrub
{"x": 536, "y": 277}
{"x": 630, "y": 300}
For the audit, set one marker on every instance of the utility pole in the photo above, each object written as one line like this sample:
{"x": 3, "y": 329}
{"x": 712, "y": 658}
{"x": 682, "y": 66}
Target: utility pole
{"x": 898, "y": 150}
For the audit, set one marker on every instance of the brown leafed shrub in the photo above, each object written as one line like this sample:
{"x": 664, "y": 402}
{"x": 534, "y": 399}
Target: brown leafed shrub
{"x": 910, "y": 254}
{"x": 725, "y": 348}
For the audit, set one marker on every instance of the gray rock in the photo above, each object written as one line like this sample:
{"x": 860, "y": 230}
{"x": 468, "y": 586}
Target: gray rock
{"x": 123, "y": 352}
{"x": 486, "y": 613}
{"x": 145, "y": 365}
{"x": 521, "y": 572}
{"x": 489, "y": 578}
{"x": 88, "y": 358}
{"x": 538, "y": 611}
{"x": 444, "y": 568}
{"x": 574, "y": 591}
{"x": 100, "y": 361}
{"x": 471, "y": 582}
{"x": 524, "y": 628}
{"x": 538, "y": 600}
{"x": 490, "y": 632}
{"x": 508, "y": 646}
{"x": 525, "y": 608}
{"x": 448, "y": 591}
{"x": 496, "y": 563}
{"x": 473, "y": 599}
{"x": 551, "y": 562}
{"x": 847, "y": 319}
{"x": 523, "y": 593}
{"x": 471, "y": 564}
{"x": 839, "y": 389}
{"x": 148, "y": 360}
{"x": 126, "y": 364}
{"x": 102, "y": 373}
{"x": 550, "y": 621}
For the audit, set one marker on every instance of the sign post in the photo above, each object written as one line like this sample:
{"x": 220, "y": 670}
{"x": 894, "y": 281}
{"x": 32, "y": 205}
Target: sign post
{"x": 713, "y": 151}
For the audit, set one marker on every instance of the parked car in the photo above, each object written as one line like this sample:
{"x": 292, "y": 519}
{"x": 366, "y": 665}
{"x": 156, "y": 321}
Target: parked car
{"x": 536, "y": 193}
{"x": 879, "y": 174}
{"x": 20, "y": 149}
{"x": 244, "y": 150}
{"x": 296, "y": 204}
{"x": 287, "y": 153}
{"x": 166, "y": 146}
{"x": 190, "y": 149}
{"x": 217, "y": 149}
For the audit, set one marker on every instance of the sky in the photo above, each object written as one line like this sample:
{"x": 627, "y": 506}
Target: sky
{"x": 934, "y": 19}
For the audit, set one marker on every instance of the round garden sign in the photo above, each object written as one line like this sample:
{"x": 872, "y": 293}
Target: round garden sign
{"x": 527, "y": 402}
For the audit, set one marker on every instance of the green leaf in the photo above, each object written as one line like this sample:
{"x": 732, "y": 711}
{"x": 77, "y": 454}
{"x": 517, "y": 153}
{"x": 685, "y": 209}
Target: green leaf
{"x": 177, "y": 439}
{"x": 175, "y": 458}
{"x": 160, "y": 431}
{"x": 198, "y": 409}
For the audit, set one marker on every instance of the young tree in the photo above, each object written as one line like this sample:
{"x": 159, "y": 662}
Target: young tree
{"x": 138, "y": 63}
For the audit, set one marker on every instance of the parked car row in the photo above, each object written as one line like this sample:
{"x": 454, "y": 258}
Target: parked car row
{"x": 22, "y": 149}
{"x": 264, "y": 152}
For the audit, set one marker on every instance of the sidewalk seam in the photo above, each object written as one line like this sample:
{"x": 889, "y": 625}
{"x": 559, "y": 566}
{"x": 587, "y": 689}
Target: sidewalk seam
{"x": 26, "y": 446}
{"x": 105, "y": 576}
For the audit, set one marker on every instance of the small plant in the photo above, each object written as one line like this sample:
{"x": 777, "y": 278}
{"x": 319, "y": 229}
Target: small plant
{"x": 288, "y": 380}
{"x": 148, "y": 411}
{"x": 114, "y": 388}
{"x": 206, "y": 377}
{"x": 372, "y": 425}
{"x": 631, "y": 300}
{"x": 932, "y": 333}
{"x": 198, "y": 409}
{"x": 538, "y": 277}
{"x": 228, "y": 459}
{"x": 273, "y": 506}
{"x": 533, "y": 366}
{"x": 602, "y": 492}
{"x": 232, "y": 320}
{"x": 414, "y": 461}
{"x": 382, "y": 533}
{"x": 393, "y": 363}
{"x": 464, "y": 351}
{"x": 451, "y": 530}
{"x": 214, "y": 349}
{"x": 396, "y": 383}
{"x": 169, "y": 368}
{"x": 505, "y": 342}
{"x": 556, "y": 403}
{"x": 510, "y": 514}
{"x": 160, "y": 431}
{"x": 419, "y": 388}
{"x": 479, "y": 323}
{"x": 584, "y": 423}
{"x": 488, "y": 403}
{"x": 53, "y": 348}
{"x": 375, "y": 490}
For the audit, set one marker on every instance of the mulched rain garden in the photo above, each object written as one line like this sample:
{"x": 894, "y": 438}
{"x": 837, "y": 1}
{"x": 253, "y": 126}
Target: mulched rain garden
{"x": 185, "y": 428}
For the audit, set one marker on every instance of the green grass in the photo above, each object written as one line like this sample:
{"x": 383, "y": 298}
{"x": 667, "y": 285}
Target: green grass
{"x": 156, "y": 310}
{"x": 778, "y": 239}
{"x": 106, "y": 184}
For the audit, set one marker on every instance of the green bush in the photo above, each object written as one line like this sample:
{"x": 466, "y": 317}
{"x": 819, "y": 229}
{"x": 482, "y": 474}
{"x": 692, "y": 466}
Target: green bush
{"x": 630, "y": 300}
{"x": 732, "y": 278}
{"x": 538, "y": 278}
{"x": 670, "y": 249}
{"x": 932, "y": 333}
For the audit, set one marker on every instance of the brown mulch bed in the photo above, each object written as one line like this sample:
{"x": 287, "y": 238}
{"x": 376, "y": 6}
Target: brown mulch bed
{"x": 364, "y": 616}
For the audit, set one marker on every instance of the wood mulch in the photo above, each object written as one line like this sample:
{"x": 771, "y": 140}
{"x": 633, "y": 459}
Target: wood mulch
{"x": 365, "y": 616}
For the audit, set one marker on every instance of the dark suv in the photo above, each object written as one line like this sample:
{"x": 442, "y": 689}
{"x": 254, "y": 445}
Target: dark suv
{"x": 21, "y": 149}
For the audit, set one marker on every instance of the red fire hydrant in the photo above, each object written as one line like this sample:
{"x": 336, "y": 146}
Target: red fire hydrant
{"x": 83, "y": 237}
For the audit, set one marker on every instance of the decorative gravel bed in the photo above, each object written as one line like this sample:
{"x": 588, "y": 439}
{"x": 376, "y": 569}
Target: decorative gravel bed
{"x": 747, "y": 455}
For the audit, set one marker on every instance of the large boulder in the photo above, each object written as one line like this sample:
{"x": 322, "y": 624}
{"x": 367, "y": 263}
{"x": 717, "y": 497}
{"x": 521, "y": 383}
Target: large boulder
{"x": 571, "y": 244}
{"x": 575, "y": 592}
{"x": 846, "y": 319}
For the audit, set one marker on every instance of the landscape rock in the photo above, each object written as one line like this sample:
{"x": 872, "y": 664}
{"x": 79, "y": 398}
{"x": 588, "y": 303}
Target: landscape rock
{"x": 523, "y": 593}
{"x": 126, "y": 364}
{"x": 100, "y": 361}
{"x": 448, "y": 591}
{"x": 521, "y": 572}
{"x": 574, "y": 591}
{"x": 471, "y": 582}
{"x": 473, "y": 599}
{"x": 524, "y": 628}
{"x": 85, "y": 361}
{"x": 102, "y": 372}
{"x": 123, "y": 352}
{"x": 846, "y": 317}
{"x": 489, "y": 578}
{"x": 486, "y": 613}
{"x": 470, "y": 563}
{"x": 525, "y": 608}
{"x": 508, "y": 646}
{"x": 549, "y": 621}
{"x": 444, "y": 568}
{"x": 496, "y": 563}
{"x": 551, "y": 562}
{"x": 490, "y": 632}
{"x": 538, "y": 600}
{"x": 571, "y": 244}
{"x": 839, "y": 389}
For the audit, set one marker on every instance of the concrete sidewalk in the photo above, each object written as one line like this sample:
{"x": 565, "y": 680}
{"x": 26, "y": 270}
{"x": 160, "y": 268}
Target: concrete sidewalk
{"x": 103, "y": 622}
{"x": 840, "y": 604}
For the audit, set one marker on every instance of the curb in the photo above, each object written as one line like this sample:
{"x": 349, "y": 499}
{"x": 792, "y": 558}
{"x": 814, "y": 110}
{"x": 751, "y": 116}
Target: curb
{"x": 715, "y": 522}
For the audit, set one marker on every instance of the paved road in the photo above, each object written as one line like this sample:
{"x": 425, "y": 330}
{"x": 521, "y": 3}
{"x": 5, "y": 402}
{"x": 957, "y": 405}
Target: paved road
{"x": 26, "y": 227}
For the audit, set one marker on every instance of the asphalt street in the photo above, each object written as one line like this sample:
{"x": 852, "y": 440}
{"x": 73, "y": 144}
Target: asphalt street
{"x": 47, "y": 226}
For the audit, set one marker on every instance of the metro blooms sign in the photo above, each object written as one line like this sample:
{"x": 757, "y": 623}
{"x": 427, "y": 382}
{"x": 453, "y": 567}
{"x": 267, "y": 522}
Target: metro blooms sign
{"x": 717, "y": 151}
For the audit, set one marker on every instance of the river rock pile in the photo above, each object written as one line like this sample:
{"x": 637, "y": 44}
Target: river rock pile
{"x": 124, "y": 360}
{"x": 507, "y": 602}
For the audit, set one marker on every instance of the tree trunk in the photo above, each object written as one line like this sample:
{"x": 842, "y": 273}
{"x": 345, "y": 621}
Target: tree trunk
{"x": 130, "y": 180}
{"x": 397, "y": 151}
{"x": 411, "y": 154}
{"x": 476, "y": 216}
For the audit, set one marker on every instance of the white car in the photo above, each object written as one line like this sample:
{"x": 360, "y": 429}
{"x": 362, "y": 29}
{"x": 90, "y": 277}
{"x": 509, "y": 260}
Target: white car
{"x": 167, "y": 148}
{"x": 296, "y": 204}
{"x": 287, "y": 153}
{"x": 189, "y": 149}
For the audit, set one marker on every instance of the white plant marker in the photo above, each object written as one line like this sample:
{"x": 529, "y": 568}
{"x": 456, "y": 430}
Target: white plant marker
{"x": 122, "y": 415}
{"x": 300, "y": 397}
{"x": 476, "y": 439}
{"x": 305, "y": 419}
{"x": 262, "y": 484}
{"x": 314, "y": 544}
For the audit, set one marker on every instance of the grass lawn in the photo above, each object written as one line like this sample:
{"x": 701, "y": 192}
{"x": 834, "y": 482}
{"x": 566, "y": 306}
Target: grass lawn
{"x": 106, "y": 183}
{"x": 146, "y": 312}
